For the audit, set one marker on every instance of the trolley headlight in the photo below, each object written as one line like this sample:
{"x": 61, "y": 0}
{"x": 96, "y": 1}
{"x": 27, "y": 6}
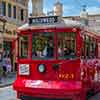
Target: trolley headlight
{"x": 24, "y": 69}
{"x": 41, "y": 68}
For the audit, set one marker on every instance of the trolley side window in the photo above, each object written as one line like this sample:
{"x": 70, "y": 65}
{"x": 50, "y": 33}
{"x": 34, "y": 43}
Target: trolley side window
{"x": 93, "y": 48}
{"x": 87, "y": 45}
{"x": 66, "y": 45}
{"x": 43, "y": 46}
{"x": 23, "y": 46}
{"x": 89, "y": 49}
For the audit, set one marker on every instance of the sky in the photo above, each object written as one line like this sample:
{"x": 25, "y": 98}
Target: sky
{"x": 71, "y": 7}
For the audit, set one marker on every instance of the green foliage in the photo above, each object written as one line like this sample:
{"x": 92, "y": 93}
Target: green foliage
{"x": 39, "y": 43}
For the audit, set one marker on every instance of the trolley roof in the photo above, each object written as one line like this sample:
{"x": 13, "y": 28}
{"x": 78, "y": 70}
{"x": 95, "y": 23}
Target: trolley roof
{"x": 49, "y": 22}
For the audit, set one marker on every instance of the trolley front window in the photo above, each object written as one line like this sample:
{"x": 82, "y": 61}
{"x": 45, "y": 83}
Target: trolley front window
{"x": 23, "y": 46}
{"x": 66, "y": 45}
{"x": 43, "y": 46}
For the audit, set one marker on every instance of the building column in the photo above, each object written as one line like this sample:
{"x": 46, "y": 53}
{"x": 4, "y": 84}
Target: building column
{"x": 37, "y": 7}
{"x": 26, "y": 10}
{"x": 7, "y": 8}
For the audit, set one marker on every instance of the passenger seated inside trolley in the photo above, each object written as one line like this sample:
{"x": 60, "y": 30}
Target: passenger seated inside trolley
{"x": 66, "y": 45}
{"x": 43, "y": 46}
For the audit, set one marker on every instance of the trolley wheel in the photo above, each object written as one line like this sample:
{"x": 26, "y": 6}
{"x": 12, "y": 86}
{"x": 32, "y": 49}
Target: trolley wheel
{"x": 90, "y": 93}
{"x": 82, "y": 96}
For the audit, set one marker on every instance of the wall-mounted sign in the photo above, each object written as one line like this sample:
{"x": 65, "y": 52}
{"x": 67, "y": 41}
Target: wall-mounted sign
{"x": 43, "y": 20}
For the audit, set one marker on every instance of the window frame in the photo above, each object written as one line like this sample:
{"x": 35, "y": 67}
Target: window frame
{"x": 52, "y": 34}
{"x": 22, "y": 14}
{"x": 55, "y": 31}
{"x": 19, "y": 46}
{"x": 4, "y": 8}
{"x": 9, "y": 10}
{"x": 70, "y": 41}
{"x": 14, "y": 11}
{"x": 91, "y": 40}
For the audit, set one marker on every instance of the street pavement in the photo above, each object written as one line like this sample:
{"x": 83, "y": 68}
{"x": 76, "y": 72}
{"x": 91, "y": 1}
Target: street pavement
{"x": 7, "y": 93}
{"x": 96, "y": 97}
{"x": 8, "y": 80}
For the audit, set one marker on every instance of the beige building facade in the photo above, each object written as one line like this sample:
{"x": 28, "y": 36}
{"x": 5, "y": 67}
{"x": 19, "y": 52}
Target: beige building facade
{"x": 37, "y": 8}
{"x": 93, "y": 22}
{"x": 2, "y": 25}
{"x": 15, "y": 12}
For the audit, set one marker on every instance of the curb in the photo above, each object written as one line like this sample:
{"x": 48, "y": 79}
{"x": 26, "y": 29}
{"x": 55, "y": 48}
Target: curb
{"x": 6, "y": 85}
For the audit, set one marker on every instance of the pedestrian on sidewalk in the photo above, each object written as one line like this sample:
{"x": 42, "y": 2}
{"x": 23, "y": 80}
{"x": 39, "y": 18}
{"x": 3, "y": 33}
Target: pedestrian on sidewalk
{"x": 4, "y": 64}
{"x": 1, "y": 73}
{"x": 8, "y": 66}
{"x": 1, "y": 69}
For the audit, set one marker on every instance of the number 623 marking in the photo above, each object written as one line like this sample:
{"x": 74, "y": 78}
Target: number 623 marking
{"x": 66, "y": 76}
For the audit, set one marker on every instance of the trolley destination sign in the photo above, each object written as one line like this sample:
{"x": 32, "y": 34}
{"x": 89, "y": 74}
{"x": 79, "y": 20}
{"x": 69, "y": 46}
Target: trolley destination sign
{"x": 43, "y": 20}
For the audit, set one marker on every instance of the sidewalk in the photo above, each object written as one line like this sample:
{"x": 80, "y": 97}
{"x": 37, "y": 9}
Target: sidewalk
{"x": 8, "y": 80}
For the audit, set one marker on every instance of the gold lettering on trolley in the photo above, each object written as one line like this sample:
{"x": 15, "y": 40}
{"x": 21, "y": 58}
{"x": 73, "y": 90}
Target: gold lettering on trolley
{"x": 66, "y": 76}
{"x": 63, "y": 75}
{"x": 60, "y": 75}
{"x": 72, "y": 76}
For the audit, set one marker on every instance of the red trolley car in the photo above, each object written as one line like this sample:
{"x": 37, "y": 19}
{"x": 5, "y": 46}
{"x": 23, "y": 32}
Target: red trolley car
{"x": 57, "y": 59}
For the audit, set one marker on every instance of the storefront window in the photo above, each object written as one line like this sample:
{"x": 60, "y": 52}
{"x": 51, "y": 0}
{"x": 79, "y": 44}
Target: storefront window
{"x": 43, "y": 46}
